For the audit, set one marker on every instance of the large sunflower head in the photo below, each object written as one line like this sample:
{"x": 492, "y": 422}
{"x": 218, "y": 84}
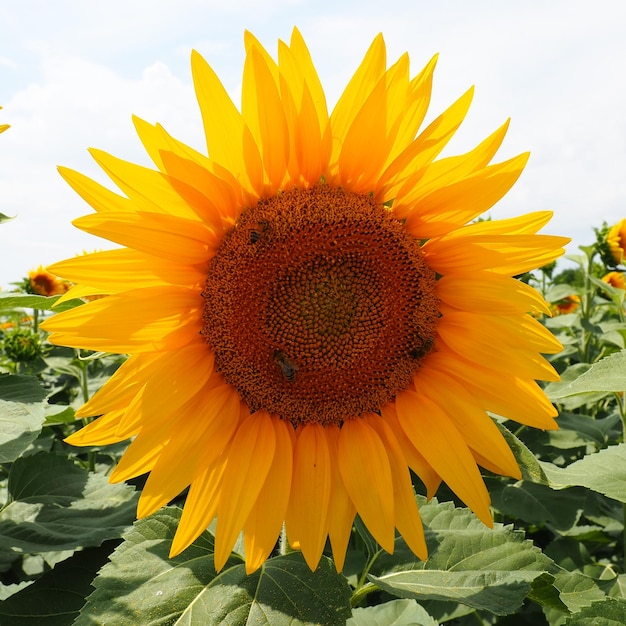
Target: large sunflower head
{"x": 309, "y": 311}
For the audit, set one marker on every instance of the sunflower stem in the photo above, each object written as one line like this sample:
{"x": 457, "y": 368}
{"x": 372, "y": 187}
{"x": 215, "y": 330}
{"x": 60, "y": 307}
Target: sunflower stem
{"x": 586, "y": 307}
{"x": 83, "y": 366}
{"x": 361, "y": 593}
{"x": 621, "y": 405}
{"x": 366, "y": 570}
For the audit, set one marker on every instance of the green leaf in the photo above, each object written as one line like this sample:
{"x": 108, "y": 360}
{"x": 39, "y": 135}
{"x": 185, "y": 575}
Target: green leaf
{"x": 59, "y": 414}
{"x": 608, "y": 612}
{"x": 576, "y": 430}
{"x": 537, "y": 504}
{"x": 31, "y": 301}
{"x": 559, "y": 292}
{"x": 56, "y": 598}
{"x": 21, "y": 414}
{"x": 528, "y": 463}
{"x": 5, "y": 218}
{"x": 544, "y": 593}
{"x": 617, "y": 295}
{"x": 608, "y": 374}
{"x": 394, "y": 613}
{"x": 142, "y": 580}
{"x": 577, "y": 590}
{"x": 369, "y": 543}
{"x": 604, "y": 472}
{"x": 57, "y": 505}
{"x": 488, "y": 569}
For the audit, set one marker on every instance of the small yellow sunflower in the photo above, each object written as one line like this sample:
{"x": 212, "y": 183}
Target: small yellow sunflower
{"x": 44, "y": 283}
{"x": 307, "y": 312}
{"x": 567, "y": 305}
{"x": 616, "y": 239}
{"x": 615, "y": 279}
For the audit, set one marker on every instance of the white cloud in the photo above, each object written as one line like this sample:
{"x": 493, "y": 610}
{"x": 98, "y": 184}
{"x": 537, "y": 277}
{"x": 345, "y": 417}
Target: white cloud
{"x": 77, "y": 104}
{"x": 72, "y": 73}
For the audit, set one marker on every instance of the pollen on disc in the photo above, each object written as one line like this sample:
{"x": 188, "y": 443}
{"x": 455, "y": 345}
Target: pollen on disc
{"x": 319, "y": 305}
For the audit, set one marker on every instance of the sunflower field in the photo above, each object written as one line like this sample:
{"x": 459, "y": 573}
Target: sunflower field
{"x": 315, "y": 383}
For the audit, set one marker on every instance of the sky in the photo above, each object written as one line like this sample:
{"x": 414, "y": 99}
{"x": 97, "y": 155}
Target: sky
{"x": 72, "y": 73}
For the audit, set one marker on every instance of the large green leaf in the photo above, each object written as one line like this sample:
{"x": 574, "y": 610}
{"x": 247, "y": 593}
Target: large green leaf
{"x": 5, "y": 218}
{"x": 608, "y": 612}
{"x": 142, "y": 580}
{"x": 394, "y": 613}
{"x": 489, "y": 569}
{"x": 604, "y": 472}
{"x": 57, "y": 505}
{"x": 21, "y": 414}
{"x": 56, "y": 598}
{"x": 609, "y": 374}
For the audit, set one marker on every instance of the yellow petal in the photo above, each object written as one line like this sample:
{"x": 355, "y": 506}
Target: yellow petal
{"x": 172, "y": 238}
{"x": 365, "y": 471}
{"x": 498, "y": 391}
{"x": 100, "y": 432}
{"x": 143, "y": 452}
{"x": 475, "y": 426}
{"x": 80, "y": 291}
{"x": 454, "y": 168}
{"x": 307, "y": 513}
{"x": 162, "y": 147}
{"x": 218, "y": 202}
{"x": 148, "y": 189}
{"x": 490, "y": 341}
{"x": 458, "y": 202}
{"x": 263, "y": 525}
{"x": 505, "y": 254}
{"x": 263, "y": 112}
{"x": 200, "y": 506}
{"x": 341, "y": 510}
{"x": 486, "y": 292}
{"x": 305, "y": 70}
{"x": 124, "y": 268}
{"x": 203, "y": 430}
{"x": 415, "y": 460}
{"x": 414, "y": 111}
{"x": 142, "y": 320}
{"x": 401, "y": 178}
{"x": 181, "y": 374}
{"x": 408, "y": 520}
{"x": 370, "y": 137}
{"x": 356, "y": 92}
{"x": 229, "y": 141}
{"x": 434, "y": 435}
{"x": 249, "y": 461}
{"x": 95, "y": 194}
{"x": 122, "y": 386}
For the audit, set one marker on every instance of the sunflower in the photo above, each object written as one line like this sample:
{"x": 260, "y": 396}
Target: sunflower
{"x": 44, "y": 283}
{"x": 615, "y": 279}
{"x": 616, "y": 238}
{"x": 308, "y": 310}
{"x": 566, "y": 305}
